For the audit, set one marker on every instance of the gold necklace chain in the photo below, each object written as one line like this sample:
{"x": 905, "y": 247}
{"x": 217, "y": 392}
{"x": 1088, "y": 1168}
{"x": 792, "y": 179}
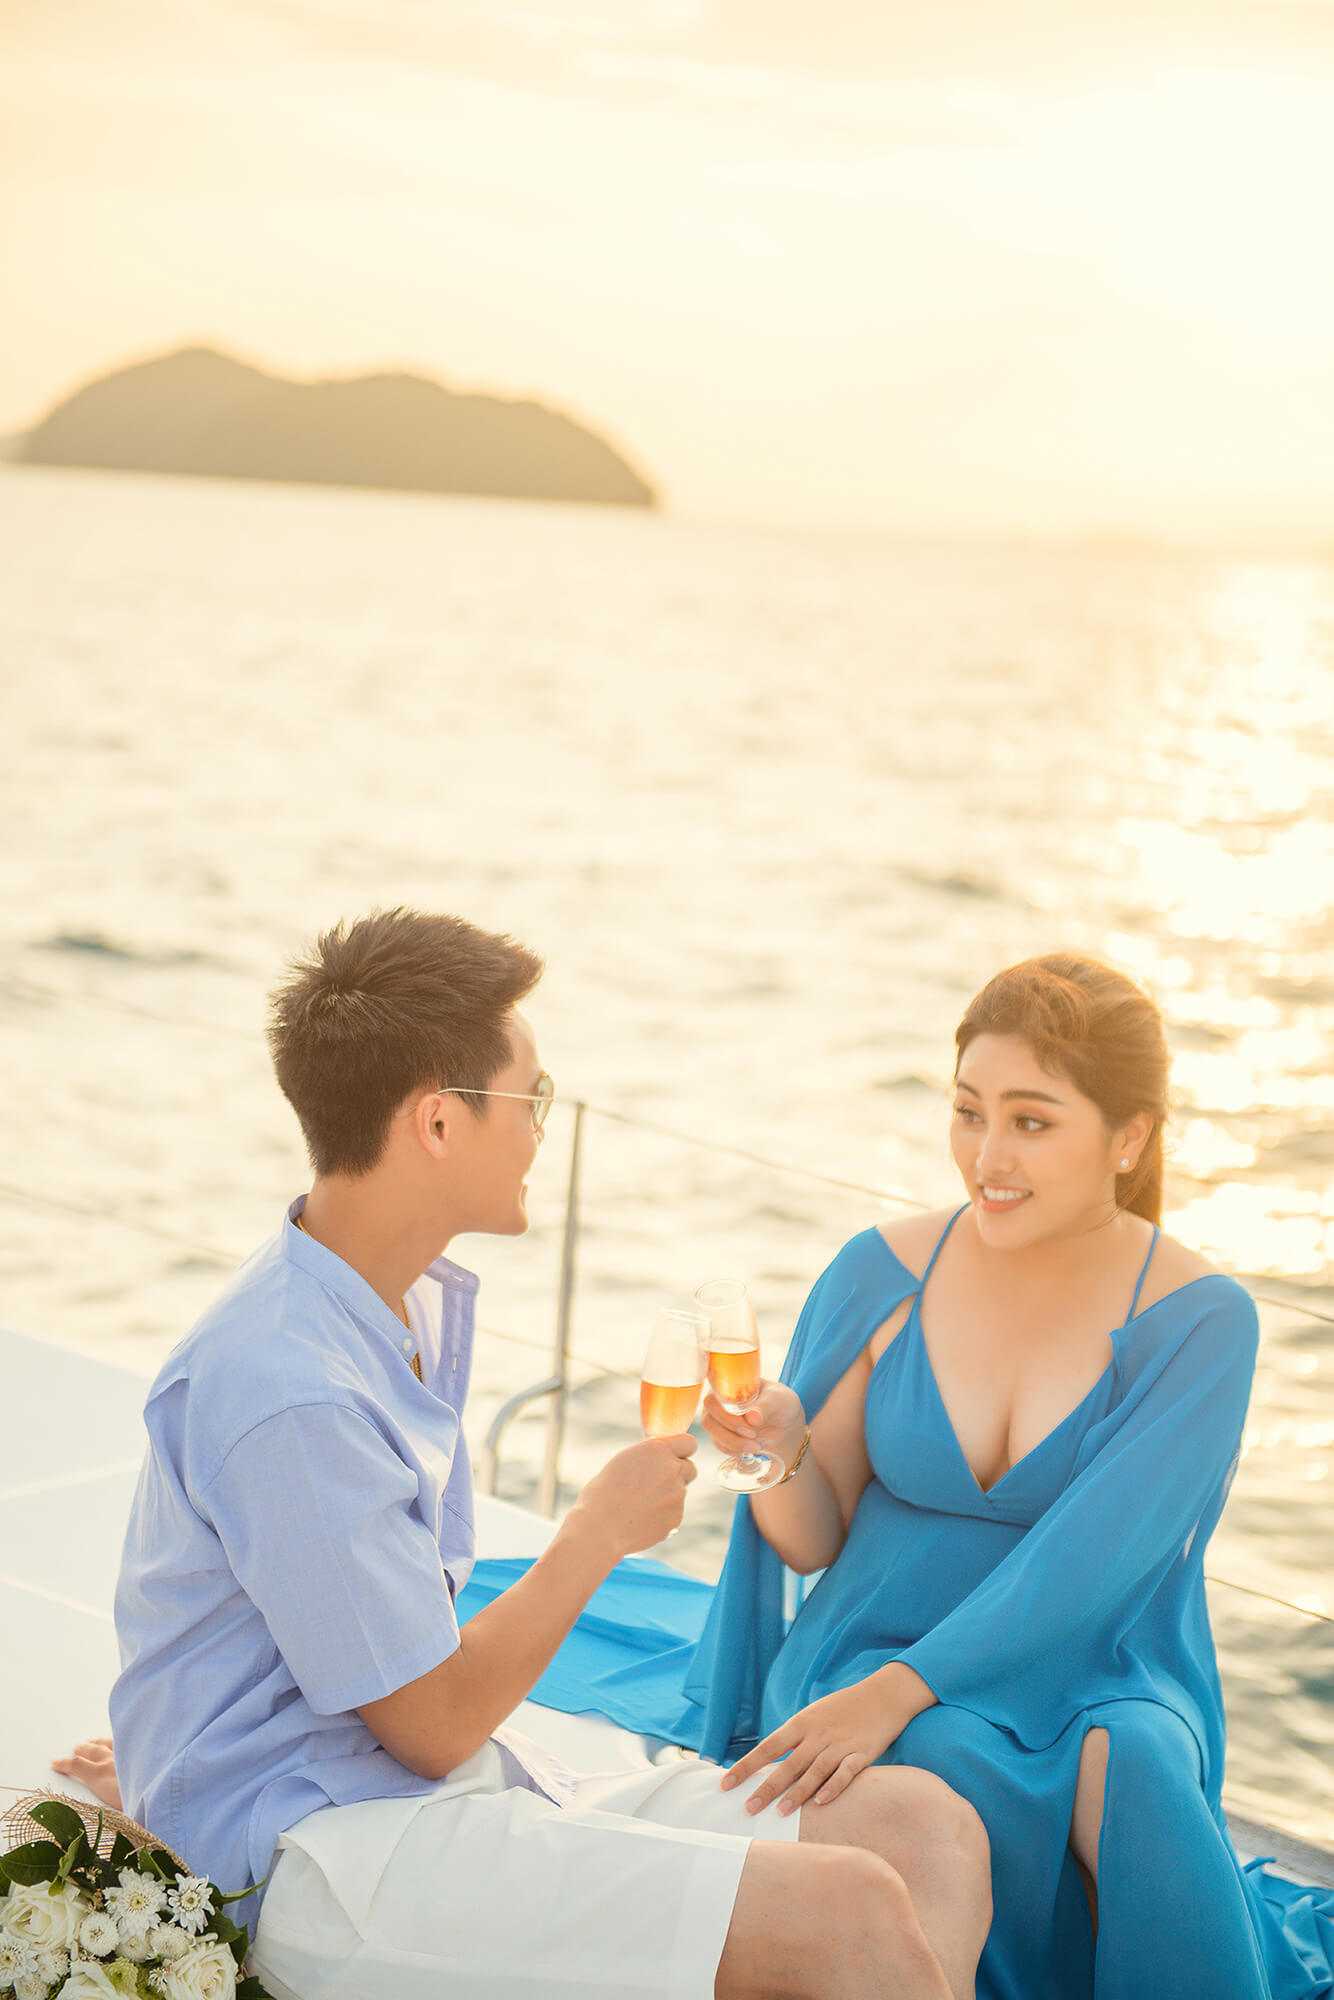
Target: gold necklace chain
{"x": 402, "y": 1306}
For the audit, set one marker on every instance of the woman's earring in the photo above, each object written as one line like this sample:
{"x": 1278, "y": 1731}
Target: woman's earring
{"x": 1125, "y": 1164}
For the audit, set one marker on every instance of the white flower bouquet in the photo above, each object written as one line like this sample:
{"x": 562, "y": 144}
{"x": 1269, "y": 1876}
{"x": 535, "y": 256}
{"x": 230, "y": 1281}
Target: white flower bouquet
{"x": 96, "y": 1909}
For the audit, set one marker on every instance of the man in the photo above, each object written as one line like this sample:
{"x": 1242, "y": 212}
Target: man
{"x": 297, "y": 1701}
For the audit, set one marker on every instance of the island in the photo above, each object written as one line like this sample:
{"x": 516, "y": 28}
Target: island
{"x": 198, "y": 411}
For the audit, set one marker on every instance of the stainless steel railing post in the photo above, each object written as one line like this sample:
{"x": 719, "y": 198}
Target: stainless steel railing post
{"x": 556, "y": 1384}
{"x": 550, "y": 1482}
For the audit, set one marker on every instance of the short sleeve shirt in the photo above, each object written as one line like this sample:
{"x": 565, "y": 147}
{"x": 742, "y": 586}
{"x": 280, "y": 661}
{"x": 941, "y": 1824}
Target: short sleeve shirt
{"x": 302, "y": 1524}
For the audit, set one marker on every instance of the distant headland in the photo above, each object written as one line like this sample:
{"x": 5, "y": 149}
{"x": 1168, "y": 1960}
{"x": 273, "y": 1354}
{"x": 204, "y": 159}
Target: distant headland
{"x": 199, "y": 411}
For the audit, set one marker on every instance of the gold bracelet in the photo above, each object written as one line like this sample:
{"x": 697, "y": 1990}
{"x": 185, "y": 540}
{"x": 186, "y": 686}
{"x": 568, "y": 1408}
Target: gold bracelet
{"x": 792, "y": 1470}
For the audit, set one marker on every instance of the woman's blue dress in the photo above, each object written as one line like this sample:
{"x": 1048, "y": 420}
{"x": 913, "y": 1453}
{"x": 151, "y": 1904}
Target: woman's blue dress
{"x": 1068, "y": 1596}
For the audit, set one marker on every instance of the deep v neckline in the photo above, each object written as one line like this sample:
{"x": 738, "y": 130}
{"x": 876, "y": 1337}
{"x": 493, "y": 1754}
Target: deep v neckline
{"x": 986, "y": 1492}
{"x": 915, "y": 1322}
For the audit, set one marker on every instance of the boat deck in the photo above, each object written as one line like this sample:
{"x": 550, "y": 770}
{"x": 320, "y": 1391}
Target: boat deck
{"x": 73, "y": 1443}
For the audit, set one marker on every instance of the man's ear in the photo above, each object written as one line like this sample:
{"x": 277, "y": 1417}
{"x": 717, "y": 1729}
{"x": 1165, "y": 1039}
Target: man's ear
{"x": 431, "y": 1120}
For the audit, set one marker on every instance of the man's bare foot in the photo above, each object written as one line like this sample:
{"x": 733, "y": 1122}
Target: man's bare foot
{"x": 94, "y": 1764}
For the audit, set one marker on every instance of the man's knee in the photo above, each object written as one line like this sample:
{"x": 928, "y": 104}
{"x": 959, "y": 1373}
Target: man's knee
{"x": 797, "y": 1904}
{"x": 865, "y": 1903}
{"x": 869, "y": 1886}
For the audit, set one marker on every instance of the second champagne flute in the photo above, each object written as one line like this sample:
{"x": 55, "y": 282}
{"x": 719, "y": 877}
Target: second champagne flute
{"x": 673, "y": 1374}
{"x": 734, "y": 1377}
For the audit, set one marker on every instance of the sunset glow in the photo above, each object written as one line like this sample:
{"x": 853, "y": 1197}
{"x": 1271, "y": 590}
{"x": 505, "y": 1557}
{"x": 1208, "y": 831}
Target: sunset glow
{"x": 847, "y": 270}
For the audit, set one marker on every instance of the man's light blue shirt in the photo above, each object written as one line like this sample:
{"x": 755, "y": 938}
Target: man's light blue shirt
{"x": 302, "y": 1524}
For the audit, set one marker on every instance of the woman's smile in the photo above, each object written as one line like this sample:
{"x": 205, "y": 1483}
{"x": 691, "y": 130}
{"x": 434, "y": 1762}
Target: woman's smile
{"x": 994, "y": 1199}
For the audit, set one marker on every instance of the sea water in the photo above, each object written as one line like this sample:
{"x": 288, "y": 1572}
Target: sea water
{"x": 773, "y": 806}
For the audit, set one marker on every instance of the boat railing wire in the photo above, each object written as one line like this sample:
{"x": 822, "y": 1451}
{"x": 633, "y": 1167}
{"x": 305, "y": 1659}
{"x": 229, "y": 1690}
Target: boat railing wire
{"x": 553, "y": 1387}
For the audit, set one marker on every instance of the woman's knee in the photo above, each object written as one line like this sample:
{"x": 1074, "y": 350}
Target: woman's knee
{"x": 943, "y": 1816}
{"x": 922, "y": 1827}
{"x": 1142, "y": 1741}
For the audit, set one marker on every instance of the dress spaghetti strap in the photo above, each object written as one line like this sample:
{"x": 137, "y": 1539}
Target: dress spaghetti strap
{"x": 1139, "y": 1282}
{"x": 940, "y": 1245}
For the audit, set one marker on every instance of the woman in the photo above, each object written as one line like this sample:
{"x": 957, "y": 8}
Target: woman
{"x": 1010, "y": 1432}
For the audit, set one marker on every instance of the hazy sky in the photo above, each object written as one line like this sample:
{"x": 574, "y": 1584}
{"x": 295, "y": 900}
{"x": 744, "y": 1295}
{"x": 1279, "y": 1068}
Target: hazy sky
{"x": 1045, "y": 265}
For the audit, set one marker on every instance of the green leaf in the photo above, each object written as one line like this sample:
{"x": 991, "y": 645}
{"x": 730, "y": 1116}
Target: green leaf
{"x": 36, "y": 1861}
{"x": 251, "y": 1989}
{"x": 74, "y": 1853}
{"x": 57, "y": 1818}
{"x": 122, "y": 1850}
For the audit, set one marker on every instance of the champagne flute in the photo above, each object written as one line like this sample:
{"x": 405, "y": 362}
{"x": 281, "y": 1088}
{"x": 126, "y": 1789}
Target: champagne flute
{"x": 673, "y": 1374}
{"x": 734, "y": 1377}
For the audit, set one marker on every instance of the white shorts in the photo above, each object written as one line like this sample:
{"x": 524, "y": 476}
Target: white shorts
{"x": 483, "y": 1891}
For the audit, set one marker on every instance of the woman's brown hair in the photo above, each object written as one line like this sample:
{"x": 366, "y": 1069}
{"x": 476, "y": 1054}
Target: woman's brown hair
{"x": 1087, "y": 1022}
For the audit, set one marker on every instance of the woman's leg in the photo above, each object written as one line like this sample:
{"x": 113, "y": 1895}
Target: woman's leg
{"x": 1173, "y": 1922}
{"x": 1022, "y": 1799}
{"x": 1086, "y": 1820}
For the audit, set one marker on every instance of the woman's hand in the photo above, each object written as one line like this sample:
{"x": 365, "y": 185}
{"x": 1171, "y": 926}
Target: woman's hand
{"x": 826, "y": 1745}
{"x": 775, "y": 1422}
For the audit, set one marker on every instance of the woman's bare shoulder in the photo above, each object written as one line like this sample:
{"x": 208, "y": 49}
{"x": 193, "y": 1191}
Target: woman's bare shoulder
{"x": 912, "y": 1238}
{"x": 1173, "y": 1265}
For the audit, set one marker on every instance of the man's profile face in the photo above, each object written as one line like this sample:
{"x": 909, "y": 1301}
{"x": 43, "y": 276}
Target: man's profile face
{"x": 497, "y": 1146}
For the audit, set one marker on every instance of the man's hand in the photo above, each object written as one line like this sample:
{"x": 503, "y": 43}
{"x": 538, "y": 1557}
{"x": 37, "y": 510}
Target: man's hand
{"x": 775, "y": 1422}
{"x": 94, "y": 1764}
{"x": 638, "y": 1497}
{"x": 826, "y": 1745}
{"x": 433, "y": 1724}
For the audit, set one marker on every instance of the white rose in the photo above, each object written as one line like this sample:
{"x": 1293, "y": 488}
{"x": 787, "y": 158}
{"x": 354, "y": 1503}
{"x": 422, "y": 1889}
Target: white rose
{"x": 31, "y": 1987}
{"x": 205, "y": 1972}
{"x": 44, "y": 1920}
{"x": 88, "y": 1981}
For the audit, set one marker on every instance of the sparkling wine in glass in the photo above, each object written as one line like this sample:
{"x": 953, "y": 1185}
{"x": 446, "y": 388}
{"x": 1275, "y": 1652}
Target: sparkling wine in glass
{"x": 673, "y": 1375}
{"x": 734, "y": 1377}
